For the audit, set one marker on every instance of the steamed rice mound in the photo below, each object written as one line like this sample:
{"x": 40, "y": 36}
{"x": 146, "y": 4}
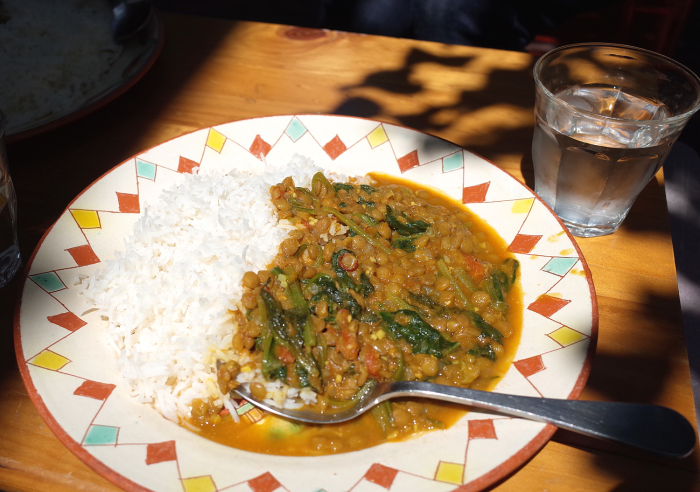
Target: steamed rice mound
{"x": 168, "y": 296}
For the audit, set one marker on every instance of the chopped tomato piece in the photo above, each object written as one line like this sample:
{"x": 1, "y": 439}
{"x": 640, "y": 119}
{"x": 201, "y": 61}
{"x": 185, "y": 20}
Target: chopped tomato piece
{"x": 348, "y": 345}
{"x": 477, "y": 270}
{"x": 284, "y": 354}
{"x": 372, "y": 361}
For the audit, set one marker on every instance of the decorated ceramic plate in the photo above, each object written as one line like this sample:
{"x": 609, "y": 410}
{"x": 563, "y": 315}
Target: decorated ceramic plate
{"x": 71, "y": 374}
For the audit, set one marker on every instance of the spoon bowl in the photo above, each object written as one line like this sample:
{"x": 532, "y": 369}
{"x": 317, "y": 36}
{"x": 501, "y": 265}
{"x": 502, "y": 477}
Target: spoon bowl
{"x": 129, "y": 19}
{"x": 651, "y": 428}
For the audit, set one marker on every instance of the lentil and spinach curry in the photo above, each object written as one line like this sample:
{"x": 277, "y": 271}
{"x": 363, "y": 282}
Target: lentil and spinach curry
{"x": 381, "y": 282}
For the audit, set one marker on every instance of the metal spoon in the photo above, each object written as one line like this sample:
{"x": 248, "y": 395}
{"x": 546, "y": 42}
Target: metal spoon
{"x": 652, "y": 428}
{"x": 129, "y": 17}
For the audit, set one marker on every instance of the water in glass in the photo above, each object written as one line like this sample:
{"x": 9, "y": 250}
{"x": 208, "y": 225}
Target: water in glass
{"x": 590, "y": 170}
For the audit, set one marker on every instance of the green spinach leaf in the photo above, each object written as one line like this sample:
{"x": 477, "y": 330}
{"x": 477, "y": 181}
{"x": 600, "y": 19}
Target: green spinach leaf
{"x": 485, "y": 328}
{"x": 410, "y": 228}
{"x": 368, "y": 189}
{"x": 423, "y": 338}
{"x": 343, "y": 186}
{"x": 485, "y": 351}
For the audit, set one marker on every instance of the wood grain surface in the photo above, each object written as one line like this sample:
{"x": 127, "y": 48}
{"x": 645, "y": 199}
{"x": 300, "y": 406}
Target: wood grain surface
{"x": 214, "y": 71}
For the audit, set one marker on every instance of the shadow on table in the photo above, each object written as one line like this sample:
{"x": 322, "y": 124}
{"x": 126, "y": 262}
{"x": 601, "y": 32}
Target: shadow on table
{"x": 652, "y": 367}
{"x": 365, "y": 100}
{"x": 682, "y": 174}
{"x": 7, "y": 302}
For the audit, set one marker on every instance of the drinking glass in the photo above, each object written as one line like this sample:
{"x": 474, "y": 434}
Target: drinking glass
{"x": 10, "y": 259}
{"x": 607, "y": 117}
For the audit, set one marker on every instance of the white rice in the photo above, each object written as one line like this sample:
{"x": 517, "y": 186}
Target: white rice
{"x": 168, "y": 296}
{"x": 278, "y": 394}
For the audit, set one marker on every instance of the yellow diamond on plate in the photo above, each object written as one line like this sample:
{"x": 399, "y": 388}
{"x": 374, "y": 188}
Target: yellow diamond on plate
{"x": 522, "y": 206}
{"x": 566, "y": 336}
{"x": 49, "y": 360}
{"x": 377, "y": 136}
{"x": 86, "y": 219}
{"x": 449, "y": 472}
{"x": 199, "y": 484}
{"x": 215, "y": 140}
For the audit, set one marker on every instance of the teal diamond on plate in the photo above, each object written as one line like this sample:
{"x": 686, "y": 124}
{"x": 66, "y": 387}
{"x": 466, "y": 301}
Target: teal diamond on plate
{"x": 559, "y": 266}
{"x": 452, "y": 162}
{"x": 100, "y": 435}
{"x": 48, "y": 281}
{"x": 145, "y": 169}
{"x": 244, "y": 408}
{"x": 295, "y": 130}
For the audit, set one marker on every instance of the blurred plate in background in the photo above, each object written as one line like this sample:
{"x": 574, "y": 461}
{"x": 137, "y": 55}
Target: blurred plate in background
{"x": 59, "y": 62}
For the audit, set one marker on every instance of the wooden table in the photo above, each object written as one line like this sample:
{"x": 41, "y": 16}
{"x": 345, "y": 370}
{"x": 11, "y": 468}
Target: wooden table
{"x": 214, "y": 71}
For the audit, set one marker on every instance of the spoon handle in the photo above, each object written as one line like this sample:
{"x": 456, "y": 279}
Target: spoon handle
{"x": 652, "y": 428}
